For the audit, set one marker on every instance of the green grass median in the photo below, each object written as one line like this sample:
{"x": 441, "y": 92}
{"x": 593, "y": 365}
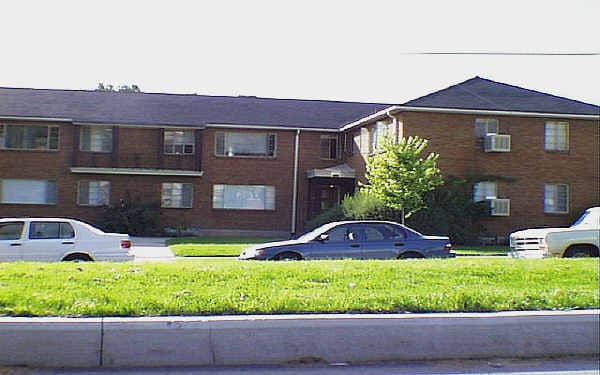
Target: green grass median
{"x": 228, "y": 286}
{"x": 213, "y": 246}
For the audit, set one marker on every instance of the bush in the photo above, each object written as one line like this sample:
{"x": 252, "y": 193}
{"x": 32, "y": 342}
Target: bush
{"x": 332, "y": 214}
{"x": 365, "y": 206}
{"x": 135, "y": 218}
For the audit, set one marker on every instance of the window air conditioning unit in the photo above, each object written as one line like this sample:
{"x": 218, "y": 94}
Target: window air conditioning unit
{"x": 499, "y": 207}
{"x": 497, "y": 143}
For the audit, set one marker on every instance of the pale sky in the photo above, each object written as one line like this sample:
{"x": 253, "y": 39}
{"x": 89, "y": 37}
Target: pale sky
{"x": 335, "y": 50}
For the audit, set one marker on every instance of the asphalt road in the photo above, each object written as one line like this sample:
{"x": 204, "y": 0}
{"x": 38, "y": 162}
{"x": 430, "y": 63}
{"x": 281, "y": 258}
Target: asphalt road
{"x": 563, "y": 366}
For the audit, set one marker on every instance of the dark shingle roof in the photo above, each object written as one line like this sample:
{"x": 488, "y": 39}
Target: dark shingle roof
{"x": 483, "y": 94}
{"x": 172, "y": 109}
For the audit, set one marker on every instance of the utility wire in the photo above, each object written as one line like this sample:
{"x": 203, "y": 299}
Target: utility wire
{"x": 509, "y": 53}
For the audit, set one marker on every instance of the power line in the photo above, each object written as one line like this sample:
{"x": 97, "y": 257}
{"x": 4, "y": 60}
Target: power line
{"x": 509, "y": 53}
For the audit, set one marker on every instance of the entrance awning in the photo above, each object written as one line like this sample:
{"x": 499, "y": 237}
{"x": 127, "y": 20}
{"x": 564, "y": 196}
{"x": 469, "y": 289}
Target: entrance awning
{"x": 338, "y": 171}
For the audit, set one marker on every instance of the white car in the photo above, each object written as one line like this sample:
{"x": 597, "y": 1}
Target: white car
{"x": 56, "y": 239}
{"x": 582, "y": 239}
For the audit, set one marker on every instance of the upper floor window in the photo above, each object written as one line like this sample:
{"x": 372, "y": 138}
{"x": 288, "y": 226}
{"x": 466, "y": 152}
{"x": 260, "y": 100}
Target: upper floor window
{"x": 27, "y": 191}
{"x": 556, "y": 198}
{"x": 179, "y": 142}
{"x": 245, "y": 144}
{"x": 93, "y": 193}
{"x": 365, "y": 145}
{"x": 329, "y": 148}
{"x": 96, "y": 139}
{"x": 28, "y": 137}
{"x": 244, "y": 197}
{"x": 556, "y": 136}
{"x": 380, "y": 131}
{"x": 485, "y": 126}
{"x": 484, "y": 190}
{"x": 176, "y": 195}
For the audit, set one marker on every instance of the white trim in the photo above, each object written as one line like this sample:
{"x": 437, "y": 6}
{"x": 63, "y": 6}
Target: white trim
{"x": 271, "y": 127}
{"x": 57, "y": 119}
{"x": 396, "y": 108}
{"x": 159, "y": 126}
{"x": 138, "y": 171}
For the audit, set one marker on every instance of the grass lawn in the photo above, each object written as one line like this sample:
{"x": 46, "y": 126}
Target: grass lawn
{"x": 233, "y": 246}
{"x": 229, "y": 286}
{"x": 213, "y": 246}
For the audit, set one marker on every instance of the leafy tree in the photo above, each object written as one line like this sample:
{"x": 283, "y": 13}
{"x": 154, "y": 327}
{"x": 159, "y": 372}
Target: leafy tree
{"x": 399, "y": 176}
{"x": 121, "y": 88}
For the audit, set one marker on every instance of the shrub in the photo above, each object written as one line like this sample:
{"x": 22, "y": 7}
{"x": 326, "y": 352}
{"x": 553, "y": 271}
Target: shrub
{"x": 132, "y": 217}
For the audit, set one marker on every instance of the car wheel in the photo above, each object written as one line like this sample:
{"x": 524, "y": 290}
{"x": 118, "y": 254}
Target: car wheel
{"x": 411, "y": 255}
{"x": 581, "y": 252}
{"x": 77, "y": 258}
{"x": 287, "y": 256}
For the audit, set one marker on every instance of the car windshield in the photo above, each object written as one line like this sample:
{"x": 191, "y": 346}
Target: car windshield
{"x": 315, "y": 232}
{"x": 589, "y": 218}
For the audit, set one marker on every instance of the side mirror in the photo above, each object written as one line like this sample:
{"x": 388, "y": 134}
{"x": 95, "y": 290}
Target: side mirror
{"x": 323, "y": 237}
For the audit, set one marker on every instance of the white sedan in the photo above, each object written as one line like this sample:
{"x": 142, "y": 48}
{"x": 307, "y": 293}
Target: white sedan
{"x": 55, "y": 239}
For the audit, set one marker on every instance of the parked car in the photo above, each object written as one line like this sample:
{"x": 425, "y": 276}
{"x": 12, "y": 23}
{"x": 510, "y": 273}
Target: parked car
{"x": 582, "y": 239}
{"x": 54, "y": 239}
{"x": 355, "y": 240}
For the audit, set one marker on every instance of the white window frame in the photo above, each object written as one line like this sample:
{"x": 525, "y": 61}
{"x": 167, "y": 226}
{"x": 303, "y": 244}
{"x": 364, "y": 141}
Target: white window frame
{"x": 179, "y": 142}
{"x": 172, "y": 195}
{"x": 556, "y": 136}
{"x": 49, "y": 192}
{"x": 51, "y": 138}
{"x": 325, "y": 145}
{"x": 484, "y": 126}
{"x": 551, "y": 198}
{"x": 484, "y": 190}
{"x": 365, "y": 141}
{"x": 227, "y": 144}
{"x": 95, "y": 133}
{"x": 219, "y": 197}
{"x": 378, "y": 134}
{"x": 98, "y": 193}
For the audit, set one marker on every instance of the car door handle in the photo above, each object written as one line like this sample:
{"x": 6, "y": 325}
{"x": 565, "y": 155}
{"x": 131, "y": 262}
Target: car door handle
{"x": 399, "y": 244}
{"x": 355, "y": 245}
{"x": 15, "y": 244}
{"x": 68, "y": 243}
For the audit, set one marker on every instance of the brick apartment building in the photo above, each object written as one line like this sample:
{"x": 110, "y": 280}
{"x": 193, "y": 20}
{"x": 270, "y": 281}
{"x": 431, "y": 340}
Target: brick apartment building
{"x": 217, "y": 164}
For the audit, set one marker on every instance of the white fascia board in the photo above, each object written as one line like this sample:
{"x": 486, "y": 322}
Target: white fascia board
{"x": 396, "y": 109}
{"x": 138, "y": 171}
{"x": 47, "y": 119}
{"x": 140, "y": 125}
{"x": 270, "y": 127}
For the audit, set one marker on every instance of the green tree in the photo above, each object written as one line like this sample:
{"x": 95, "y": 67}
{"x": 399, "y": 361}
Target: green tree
{"x": 399, "y": 176}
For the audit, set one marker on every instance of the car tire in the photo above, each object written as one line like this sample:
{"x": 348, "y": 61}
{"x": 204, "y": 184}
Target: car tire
{"x": 77, "y": 258}
{"x": 581, "y": 251}
{"x": 411, "y": 255}
{"x": 287, "y": 256}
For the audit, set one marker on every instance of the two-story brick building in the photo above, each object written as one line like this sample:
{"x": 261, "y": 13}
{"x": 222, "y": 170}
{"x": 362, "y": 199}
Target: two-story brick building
{"x": 246, "y": 163}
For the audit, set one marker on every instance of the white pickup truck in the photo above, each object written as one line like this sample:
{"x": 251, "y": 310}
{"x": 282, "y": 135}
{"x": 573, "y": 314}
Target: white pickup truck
{"x": 582, "y": 239}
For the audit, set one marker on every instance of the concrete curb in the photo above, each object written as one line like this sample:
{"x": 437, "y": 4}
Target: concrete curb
{"x": 240, "y": 340}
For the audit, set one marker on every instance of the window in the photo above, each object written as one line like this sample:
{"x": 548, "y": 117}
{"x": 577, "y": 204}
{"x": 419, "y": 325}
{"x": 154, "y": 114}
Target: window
{"x": 176, "y": 195}
{"x": 244, "y": 197}
{"x": 96, "y": 139}
{"x": 484, "y": 190}
{"x": 179, "y": 142}
{"x": 343, "y": 233}
{"x": 245, "y": 144}
{"x": 379, "y": 232}
{"x": 329, "y": 147}
{"x": 47, "y": 230}
{"x": 11, "y": 230}
{"x": 93, "y": 193}
{"x": 379, "y": 133}
{"x": 485, "y": 126}
{"x": 28, "y": 137}
{"x": 349, "y": 143}
{"x": 556, "y": 198}
{"x": 365, "y": 141}
{"x": 556, "y": 136}
{"x": 27, "y": 191}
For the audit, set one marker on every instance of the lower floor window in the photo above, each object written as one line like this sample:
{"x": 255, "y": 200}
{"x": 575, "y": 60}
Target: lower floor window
{"x": 93, "y": 193}
{"x": 556, "y": 198}
{"x": 27, "y": 191}
{"x": 484, "y": 190}
{"x": 244, "y": 197}
{"x": 176, "y": 195}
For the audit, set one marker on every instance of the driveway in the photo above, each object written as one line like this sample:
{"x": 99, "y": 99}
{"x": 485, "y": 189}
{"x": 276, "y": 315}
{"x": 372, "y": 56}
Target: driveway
{"x": 151, "y": 249}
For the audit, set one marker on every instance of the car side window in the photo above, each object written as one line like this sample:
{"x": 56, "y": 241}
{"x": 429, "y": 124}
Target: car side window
{"x": 374, "y": 233}
{"x": 342, "y": 233}
{"x": 380, "y": 232}
{"x": 11, "y": 230}
{"x": 44, "y": 230}
{"x": 66, "y": 231}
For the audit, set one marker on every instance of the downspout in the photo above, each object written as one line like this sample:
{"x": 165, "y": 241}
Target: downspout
{"x": 295, "y": 183}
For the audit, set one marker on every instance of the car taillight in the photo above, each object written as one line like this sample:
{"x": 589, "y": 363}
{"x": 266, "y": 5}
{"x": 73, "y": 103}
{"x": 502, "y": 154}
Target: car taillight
{"x": 125, "y": 244}
{"x": 448, "y": 247}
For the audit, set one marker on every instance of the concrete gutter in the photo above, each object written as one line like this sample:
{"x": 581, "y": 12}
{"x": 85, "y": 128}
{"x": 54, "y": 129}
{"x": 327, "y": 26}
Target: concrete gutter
{"x": 240, "y": 340}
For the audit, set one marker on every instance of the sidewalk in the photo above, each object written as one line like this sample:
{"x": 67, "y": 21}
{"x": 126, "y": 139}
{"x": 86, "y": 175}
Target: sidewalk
{"x": 151, "y": 249}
